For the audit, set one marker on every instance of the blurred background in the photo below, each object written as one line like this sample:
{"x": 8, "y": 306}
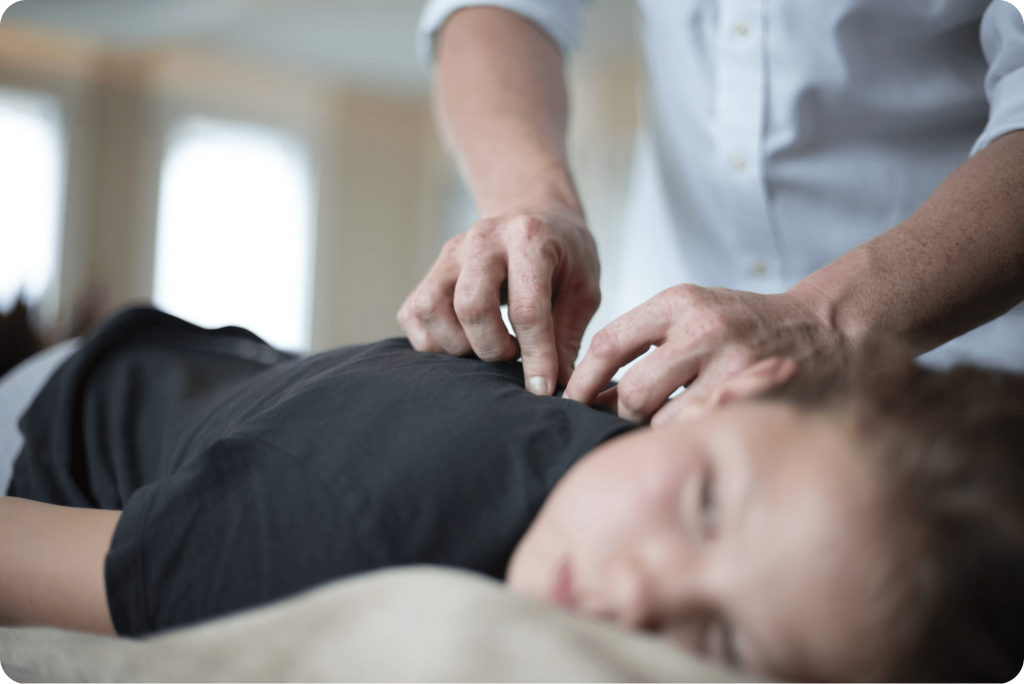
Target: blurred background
{"x": 265, "y": 163}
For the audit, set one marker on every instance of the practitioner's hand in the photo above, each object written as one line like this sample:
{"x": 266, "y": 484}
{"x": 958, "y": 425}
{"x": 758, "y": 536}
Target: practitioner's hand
{"x": 705, "y": 337}
{"x": 546, "y": 262}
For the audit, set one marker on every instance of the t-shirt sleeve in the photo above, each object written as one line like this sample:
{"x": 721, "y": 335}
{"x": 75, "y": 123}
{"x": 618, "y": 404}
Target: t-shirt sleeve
{"x": 560, "y": 19}
{"x": 244, "y": 524}
{"x": 1002, "y": 42}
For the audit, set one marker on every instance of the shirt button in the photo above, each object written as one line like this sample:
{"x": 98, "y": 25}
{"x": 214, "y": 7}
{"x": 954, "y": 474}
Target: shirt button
{"x": 740, "y": 29}
{"x": 739, "y": 162}
{"x": 758, "y": 268}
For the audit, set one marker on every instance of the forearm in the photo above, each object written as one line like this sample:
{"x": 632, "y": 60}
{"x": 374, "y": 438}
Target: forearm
{"x": 502, "y": 105}
{"x": 956, "y": 263}
{"x": 51, "y": 565}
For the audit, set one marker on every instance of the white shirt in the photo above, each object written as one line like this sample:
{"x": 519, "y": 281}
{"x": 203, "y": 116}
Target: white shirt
{"x": 783, "y": 133}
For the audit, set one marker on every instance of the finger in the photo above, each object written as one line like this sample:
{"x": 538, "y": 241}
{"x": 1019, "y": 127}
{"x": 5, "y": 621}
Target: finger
{"x": 701, "y": 394}
{"x": 700, "y": 391}
{"x": 646, "y": 386}
{"x": 615, "y": 345}
{"x": 419, "y": 337}
{"x": 433, "y": 305}
{"x": 607, "y": 400}
{"x": 529, "y": 312}
{"x": 477, "y": 305}
{"x": 573, "y": 311}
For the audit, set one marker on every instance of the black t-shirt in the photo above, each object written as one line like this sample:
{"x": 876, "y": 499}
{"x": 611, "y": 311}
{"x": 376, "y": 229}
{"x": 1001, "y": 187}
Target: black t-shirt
{"x": 246, "y": 475}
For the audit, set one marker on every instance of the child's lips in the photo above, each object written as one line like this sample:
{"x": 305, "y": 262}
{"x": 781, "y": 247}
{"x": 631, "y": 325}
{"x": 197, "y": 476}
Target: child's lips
{"x": 562, "y": 591}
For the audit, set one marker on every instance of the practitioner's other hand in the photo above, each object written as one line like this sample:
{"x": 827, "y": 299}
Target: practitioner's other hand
{"x": 545, "y": 261}
{"x": 704, "y": 338}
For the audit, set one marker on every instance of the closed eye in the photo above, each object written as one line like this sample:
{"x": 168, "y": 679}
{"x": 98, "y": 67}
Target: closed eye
{"x": 708, "y": 503}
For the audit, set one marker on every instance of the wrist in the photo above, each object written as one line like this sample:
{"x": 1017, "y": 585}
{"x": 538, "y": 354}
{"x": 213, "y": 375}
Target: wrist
{"x": 531, "y": 189}
{"x": 837, "y": 307}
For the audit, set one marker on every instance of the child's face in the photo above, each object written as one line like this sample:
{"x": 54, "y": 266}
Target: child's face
{"x": 755, "y": 535}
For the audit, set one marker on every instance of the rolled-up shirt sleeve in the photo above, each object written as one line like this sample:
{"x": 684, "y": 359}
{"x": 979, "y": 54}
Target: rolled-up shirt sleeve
{"x": 1002, "y": 41}
{"x": 560, "y": 19}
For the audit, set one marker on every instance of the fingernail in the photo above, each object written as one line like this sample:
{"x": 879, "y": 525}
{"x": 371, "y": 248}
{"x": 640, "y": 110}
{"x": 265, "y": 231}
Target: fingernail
{"x": 538, "y": 385}
{"x": 636, "y": 418}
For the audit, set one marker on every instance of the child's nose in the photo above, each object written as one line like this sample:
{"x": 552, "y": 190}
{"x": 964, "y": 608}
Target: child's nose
{"x": 654, "y": 588}
{"x": 630, "y": 596}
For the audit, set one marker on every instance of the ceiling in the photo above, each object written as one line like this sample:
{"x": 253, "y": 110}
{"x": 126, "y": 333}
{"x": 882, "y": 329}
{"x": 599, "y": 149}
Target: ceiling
{"x": 346, "y": 40}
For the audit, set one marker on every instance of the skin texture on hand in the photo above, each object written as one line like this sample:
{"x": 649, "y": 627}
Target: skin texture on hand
{"x": 501, "y": 103}
{"x": 954, "y": 264}
{"x": 704, "y": 337}
{"x": 549, "y": 263}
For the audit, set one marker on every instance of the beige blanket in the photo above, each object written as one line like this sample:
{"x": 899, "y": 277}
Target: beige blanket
{"x": 414, "y": 623}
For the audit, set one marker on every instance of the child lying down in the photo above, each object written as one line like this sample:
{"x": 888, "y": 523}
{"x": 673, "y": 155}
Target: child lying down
{"x": 860, "y": 526}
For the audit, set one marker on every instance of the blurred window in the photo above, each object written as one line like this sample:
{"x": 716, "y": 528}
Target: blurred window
{"x": 31, "y": 197}
{"x": 235, "y": 230}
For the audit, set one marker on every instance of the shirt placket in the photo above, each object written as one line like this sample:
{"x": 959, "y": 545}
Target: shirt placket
{"x": 740, "y": 95}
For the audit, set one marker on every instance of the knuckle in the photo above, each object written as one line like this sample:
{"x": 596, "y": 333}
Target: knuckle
{"x": 471, "y": 306}
{"x": 484, "y": 247}
{"x": 683, "y": 290}
{"x": 605, "y": 345}
{"x": 631, "y": 395}
{"x": 663, "y": 306}
{"x": 483, "y": 230}
{"x": 403, "y": 316}
{"x": 451, "y": 246}
{"x": 527, "y": 314}
{"x": 590, "y": 296}
{"x": 488, "y": 352}
{"x": 583, "y": 294}
{"x": 427, "y": 302}
{"x": 525, "y": 223}
{"x": 677, "y": 299}
{"x": 551, "y": 249}
{"x": 716, "y": 322}
{"x": 485, "y": 224}
{"x": 529, "y": 230}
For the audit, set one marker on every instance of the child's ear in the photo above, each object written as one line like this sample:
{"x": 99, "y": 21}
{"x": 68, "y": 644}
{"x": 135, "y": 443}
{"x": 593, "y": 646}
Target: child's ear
{"x": 758, "y": 379}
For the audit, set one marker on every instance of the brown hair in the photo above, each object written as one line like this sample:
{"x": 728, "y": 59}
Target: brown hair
{"x": 21, "y": 336}
{"x": 951, "y": 452}
{"x": 18, "y": 339}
